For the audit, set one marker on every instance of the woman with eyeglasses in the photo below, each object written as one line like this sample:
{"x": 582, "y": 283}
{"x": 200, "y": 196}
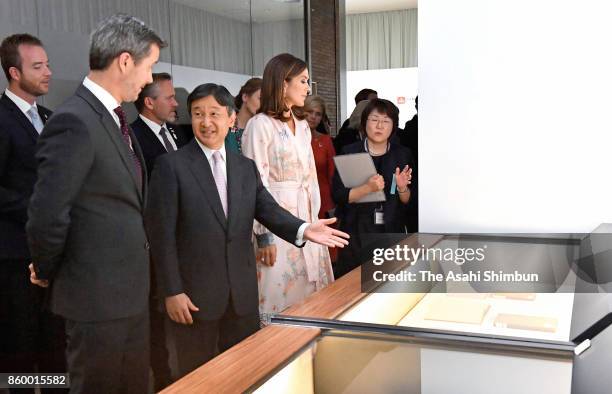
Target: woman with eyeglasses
{"x": 278, "y": 140}
{"x": 393, "y": 164}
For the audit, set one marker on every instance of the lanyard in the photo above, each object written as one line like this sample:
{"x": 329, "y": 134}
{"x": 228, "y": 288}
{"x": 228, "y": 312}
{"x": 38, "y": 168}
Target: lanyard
{"x": 365, "y": 146}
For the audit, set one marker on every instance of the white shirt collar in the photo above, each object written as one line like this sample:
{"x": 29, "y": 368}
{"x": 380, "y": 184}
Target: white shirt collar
{"x": 152, "y": 125}
{"x": 107, "y": 99}
{"x": 209, "y": 152}
{"x": 23, "y": 105}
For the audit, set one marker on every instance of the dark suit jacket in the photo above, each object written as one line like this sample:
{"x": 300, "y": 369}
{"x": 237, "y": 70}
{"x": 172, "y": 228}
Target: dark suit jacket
{"x": 85, "y": 226}
{"x": 150, "y": 144}
{"x": 409, "y": 138}
{"x": 195, "y": 249}
{"x": 17, "y": 176}
{"x": 394, "y": 210}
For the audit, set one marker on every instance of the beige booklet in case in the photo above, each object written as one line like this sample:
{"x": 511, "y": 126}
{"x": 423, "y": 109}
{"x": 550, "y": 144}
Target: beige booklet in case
{"x": 457, "y": 310}
{"x": 525, "y": 322}
{"x": 515, "y": 296}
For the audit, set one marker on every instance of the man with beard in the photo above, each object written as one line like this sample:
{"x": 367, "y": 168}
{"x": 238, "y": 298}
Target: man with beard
{"x": 157, "y": 106}
{"x": 30, "y": 335}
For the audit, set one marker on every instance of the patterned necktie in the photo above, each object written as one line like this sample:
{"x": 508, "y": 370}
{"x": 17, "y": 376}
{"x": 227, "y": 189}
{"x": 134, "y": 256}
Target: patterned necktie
{"x": 220, "y": 179}
{"x": 36, "y": 121}
{"x": 164, "y": 134}
{"x": 126, "y": 137}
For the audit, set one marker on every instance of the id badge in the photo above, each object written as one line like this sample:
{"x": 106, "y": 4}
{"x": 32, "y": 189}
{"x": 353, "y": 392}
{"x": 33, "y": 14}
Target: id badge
{"x": 379, "y": 216}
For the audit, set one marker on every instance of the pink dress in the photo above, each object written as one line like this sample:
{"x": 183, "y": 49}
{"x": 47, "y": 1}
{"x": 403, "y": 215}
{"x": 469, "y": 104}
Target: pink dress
{"x": 286, "y": 164}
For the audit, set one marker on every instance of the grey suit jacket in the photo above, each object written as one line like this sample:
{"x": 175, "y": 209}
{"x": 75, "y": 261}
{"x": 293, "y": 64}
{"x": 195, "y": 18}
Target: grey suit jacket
{"x": 85, "y": 226}
{"x": 195, "y": 248}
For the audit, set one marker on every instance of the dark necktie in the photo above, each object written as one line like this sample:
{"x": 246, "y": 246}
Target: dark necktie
{"x": 167, "y": 144}
{"x": 125, "y": 132}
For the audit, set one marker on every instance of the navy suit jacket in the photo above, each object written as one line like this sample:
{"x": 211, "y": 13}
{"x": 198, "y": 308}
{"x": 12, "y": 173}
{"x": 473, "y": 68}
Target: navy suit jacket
{"x": 151, "y": 147}
{"x": 17, "y": 176}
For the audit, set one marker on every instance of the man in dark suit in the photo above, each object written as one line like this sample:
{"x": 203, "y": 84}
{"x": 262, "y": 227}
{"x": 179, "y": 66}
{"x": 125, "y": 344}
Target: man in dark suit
{"x": 409, "y": 137}
{"x": 29, "y": 334}
{"x": 156, "y": 106}
{"x": 347, "y": 135}
{"x": 85, "y": 226}
{"x": 200, "y": 215}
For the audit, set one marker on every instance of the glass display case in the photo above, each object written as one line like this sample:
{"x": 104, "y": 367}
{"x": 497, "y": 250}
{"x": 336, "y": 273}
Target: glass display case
{"x": 508, "y": 333}
{"x": 440, "y": 336}
{"x": 378, "y": 360}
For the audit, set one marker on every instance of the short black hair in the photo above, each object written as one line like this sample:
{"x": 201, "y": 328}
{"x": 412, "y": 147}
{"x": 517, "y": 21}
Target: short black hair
{"x": 9, "y": 51}
{"x": 150, "y": 90}
{"x": 363, "y": 94}
{"x": 384, "y": 107}
{"x": 219, "y": 92}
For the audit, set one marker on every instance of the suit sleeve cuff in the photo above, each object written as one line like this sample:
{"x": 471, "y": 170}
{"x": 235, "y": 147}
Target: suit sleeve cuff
{"x": 264, "y": 240}
{"x": 299, "y": 241}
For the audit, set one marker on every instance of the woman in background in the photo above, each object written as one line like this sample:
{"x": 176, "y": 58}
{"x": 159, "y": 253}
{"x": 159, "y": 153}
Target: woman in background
{"x": 278, "y": 140}
{"x": 351, "y": 133}
{"x": 247, "y": 104}
{"x": 393, "y": 164}
{"x": 323, "y": 151}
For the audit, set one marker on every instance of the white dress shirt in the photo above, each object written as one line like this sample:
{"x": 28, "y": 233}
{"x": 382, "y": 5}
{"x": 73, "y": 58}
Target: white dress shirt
{"x": 23, "y": 105}
{"x": 107, "y": 99}
{"x": 209, "y": 152}
{"x": 299, "y": 240}
{"x": 157, "y": 128}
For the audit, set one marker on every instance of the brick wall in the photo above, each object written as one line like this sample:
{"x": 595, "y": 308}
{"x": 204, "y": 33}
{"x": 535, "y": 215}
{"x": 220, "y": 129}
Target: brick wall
{"x": 324, "y": 45}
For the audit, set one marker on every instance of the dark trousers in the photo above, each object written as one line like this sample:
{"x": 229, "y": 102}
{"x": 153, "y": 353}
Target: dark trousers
{"x": 31, "y": 338}
{"x": 110, "y": 356}
{"x": 159, "y": 351}
{"x": 204, "y": 339}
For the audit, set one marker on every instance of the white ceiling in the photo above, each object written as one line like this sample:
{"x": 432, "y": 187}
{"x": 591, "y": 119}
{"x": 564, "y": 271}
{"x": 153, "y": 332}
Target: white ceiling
{"x": 277, "y": 10}
{"x": 262, "y": 10}
{"x": 362, "y": 6}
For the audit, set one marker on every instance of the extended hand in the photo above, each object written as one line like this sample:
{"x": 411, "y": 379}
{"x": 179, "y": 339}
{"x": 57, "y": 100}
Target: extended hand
{"x": 320, "y": 233}
{"x": 178, "y": 308}
{"x": 34, "y": 279}
{"x": 266, "y": 255}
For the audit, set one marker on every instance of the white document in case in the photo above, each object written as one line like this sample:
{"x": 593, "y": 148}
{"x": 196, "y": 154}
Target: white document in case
{"x": 355, "y": 170}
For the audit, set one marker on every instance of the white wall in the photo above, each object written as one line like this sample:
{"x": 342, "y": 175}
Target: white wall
{"x": 515, "y": 120}
{"x": 190, "y": 77}
{"x": 390, "y": 84}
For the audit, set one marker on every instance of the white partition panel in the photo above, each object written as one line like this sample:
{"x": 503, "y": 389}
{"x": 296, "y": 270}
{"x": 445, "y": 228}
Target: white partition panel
{"x": 515, "y": 115}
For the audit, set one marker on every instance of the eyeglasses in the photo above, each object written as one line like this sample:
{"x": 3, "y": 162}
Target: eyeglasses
{"x": 384, "y": 121}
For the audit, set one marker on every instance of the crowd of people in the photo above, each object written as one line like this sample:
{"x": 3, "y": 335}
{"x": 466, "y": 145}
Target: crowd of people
{"x": 116, "y": 236}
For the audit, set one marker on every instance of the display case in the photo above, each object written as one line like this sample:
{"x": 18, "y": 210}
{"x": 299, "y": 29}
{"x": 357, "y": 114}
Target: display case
{"x": 466, "y": 337}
